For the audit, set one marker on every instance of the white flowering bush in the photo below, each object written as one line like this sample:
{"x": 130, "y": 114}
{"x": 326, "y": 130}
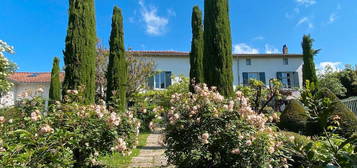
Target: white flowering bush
{"x": 68, "y": 135}
{"x": 6, "y": 67}
{"x": 207, "y": 130}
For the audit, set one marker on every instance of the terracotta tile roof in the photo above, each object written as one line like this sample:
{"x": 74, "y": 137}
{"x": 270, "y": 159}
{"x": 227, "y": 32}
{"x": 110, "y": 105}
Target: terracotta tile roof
{"x": 32, "y": 77}
{"x": 178, "y": 53}
{"x": 159, "y": 53}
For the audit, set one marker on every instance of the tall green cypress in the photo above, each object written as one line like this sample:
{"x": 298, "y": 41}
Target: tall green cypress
{"x": 117, "y": 74}
{"x": 55, "y": 86}
{"x": 196, "y": 55}
{"x": 218, "y": 46}
{"x": 80, "y": 52}
{"x": 309, "y": 70}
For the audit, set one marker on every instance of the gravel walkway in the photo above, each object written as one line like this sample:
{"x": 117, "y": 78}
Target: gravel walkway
{"x": 152, "y": 155}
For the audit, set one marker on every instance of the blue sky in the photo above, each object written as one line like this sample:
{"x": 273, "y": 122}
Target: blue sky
{"x": 37, "y": 28}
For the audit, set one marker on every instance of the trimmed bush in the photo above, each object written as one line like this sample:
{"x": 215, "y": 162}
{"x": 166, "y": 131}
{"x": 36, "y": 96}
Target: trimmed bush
{"x": 294, "y": 117}
{"x": 348, "y": 119}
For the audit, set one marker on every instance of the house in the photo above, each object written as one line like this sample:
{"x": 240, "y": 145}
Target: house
{"x": 27, "y": 82}
{"x": 263, "y": 67}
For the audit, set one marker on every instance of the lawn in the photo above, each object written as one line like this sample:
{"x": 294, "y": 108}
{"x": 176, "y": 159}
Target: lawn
{"x": 117, "y": 160}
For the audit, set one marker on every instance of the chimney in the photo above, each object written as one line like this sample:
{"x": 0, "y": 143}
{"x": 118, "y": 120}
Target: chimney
{"x": 285, "y": 49}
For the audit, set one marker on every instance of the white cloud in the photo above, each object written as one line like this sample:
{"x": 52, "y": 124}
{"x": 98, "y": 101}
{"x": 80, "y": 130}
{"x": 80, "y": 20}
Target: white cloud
{"x": 332, "y": 18}
{"x": 269, "y": 49}
{"x": 335, "y": 66}
{"x": 243, "y": 48}
{"x": 306, "y": 2}
{"x": 303, "y": 20}
{"x": 155, "y": 25}
{"x": 307, "y": 21}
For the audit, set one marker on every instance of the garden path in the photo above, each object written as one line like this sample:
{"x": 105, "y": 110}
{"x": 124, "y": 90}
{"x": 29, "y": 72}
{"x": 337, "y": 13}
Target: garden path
{"x": 151, "y": 155}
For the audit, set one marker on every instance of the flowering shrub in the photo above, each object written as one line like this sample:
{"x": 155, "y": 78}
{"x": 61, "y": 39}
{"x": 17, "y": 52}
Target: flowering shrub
{"x": 150, "y": 106}
{"x": 30, "y": 140}
{"x": 69, "y": 135}
{"x": 207, "y": 130}
{"x": 6, "y": 67}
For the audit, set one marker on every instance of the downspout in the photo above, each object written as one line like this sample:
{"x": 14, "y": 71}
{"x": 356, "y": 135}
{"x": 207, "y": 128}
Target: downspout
{"x": 238, "y": 76}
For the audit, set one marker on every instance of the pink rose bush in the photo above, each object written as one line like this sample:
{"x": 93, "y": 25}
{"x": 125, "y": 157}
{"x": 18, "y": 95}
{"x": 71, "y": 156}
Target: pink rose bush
{"x": 67, "y": 135}
{"x": 207, "y": 130}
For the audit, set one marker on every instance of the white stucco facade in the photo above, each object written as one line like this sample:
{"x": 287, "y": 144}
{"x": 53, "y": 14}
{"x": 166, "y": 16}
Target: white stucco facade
{"x": 269, "y": 64}
{"x": 19, "y": 89}
{"x": 245, "y": 66}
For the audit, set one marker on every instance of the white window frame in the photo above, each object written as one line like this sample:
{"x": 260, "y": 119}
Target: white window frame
{"x": 160, "y": 80}
{"x": 288, "y": 79}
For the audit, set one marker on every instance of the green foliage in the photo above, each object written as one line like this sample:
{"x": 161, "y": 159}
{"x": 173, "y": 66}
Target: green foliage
{"x": 337, "y": 108}
{"x": 196, "y": 55}
{"x": 348, "y": 78}
{"x": 69, "y": 135}
{"x": 294, "y": 117}
{"x": 140, "y": 68}
{"x": 206, "y": 130}
{"x": 55, "y": 86}
{"x": 218, "y": 46}
{"x": 116, "y": 160}
{"x": 329, "y": 150}
{"x": 117, "y": 74}
{"x": 309, "y": 70}
{"x": 150, "y": 105}
{"x": 262, "y": 98}
{"x": 80, "y": 52}
{"x": 330, "y": 79}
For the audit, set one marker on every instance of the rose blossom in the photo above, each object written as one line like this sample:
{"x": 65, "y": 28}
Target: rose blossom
{"x": 46, "y": 129}
{"x": 235, "y": 151}
{"x": 248, "y": 142}
{"x": 120, "y": 145}
{"x": 2, "y": 119}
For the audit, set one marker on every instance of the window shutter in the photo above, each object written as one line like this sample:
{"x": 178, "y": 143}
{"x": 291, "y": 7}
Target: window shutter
{"x": 151, "y": 82}
{"x": 245, "y": 78}
{"x": 262, "y": 77}
{"x": 296, "y": 79}
{"x": 168, "y": 79}
{"x": 279, "y": 75}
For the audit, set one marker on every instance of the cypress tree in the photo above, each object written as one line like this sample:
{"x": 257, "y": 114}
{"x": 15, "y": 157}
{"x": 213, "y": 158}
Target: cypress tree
{"x": 55, "y": 86}
{"x": 196, "y": 55}
{"x": 309, "y": 70}
{"x": 80, "y": 52}
{"x": 117, "y": 67}
{"x": 218, "y": 46}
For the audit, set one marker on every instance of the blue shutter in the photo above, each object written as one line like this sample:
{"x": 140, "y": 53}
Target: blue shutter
{"x": 279, "y": 75}
{"x": 262, "y": 77}
{"x": 245, "y": 78}
{"x": 151, "y": 82}
{"x": 296, "y": 80}
{"x": 168, "y": 79}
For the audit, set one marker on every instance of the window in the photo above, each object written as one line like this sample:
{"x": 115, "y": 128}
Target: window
{"x": 248, "y": 61}
{"x": 161, "y": 80}
{"x": 285, "y": 61}
{"x": 289, "y": 79}
{"x": 253, "y": 75}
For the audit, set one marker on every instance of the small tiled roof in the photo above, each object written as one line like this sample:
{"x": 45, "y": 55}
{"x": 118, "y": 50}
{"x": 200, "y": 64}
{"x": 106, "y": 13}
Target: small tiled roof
{"x": 32, "y": 77}
{"x": 178, "y": 53}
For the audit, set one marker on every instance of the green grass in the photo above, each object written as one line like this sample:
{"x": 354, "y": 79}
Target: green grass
{"x": 117, "y": 160}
